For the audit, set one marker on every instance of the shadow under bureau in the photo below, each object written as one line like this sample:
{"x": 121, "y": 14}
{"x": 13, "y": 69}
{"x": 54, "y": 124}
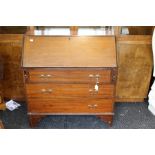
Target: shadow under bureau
{"x": 69, "y": 75}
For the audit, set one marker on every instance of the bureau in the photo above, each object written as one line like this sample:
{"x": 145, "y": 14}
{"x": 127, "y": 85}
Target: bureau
{"x": 69, "y": 75}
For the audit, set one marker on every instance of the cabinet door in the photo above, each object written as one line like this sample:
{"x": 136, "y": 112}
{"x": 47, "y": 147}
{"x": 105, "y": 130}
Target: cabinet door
{"x": 10, "y": 53}
{"x": 134, "y": 54}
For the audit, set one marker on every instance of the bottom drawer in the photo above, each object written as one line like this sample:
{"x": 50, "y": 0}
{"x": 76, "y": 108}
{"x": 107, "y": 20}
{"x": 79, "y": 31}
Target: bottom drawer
{"x": 71, "y": 106}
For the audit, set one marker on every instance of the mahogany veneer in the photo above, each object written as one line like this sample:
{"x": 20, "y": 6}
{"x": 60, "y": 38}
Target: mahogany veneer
{"x": 69, "y": 75}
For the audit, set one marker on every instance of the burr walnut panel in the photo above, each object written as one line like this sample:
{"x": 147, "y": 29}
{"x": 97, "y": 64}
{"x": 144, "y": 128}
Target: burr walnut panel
{"x": 134, "y": 54}
{"x": 10, "y": 52}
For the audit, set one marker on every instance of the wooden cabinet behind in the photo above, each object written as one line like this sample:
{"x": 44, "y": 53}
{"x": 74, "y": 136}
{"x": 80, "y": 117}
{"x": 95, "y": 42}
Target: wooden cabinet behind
{"x": 10, "y": 52}
{"x": 134, "y": 58}
{"x": 134, "y": 54}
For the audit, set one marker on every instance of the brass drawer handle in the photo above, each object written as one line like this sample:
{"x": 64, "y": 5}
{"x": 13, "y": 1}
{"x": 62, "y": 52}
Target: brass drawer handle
{"x": 92, "y": 106}
{"x": 91, "y": 75}
{"x": 90, "y": 90}
{"x": 46, "y": 90}
{"x": 97, "y": 75}
{"x": 95, "y": 105}
{"x": 31, "y": 40}
{"x": 45, "y": 76}
{"x": 48, "y": 75}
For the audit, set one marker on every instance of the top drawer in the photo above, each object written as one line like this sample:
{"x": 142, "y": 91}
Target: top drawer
{"x": 69, "y": 76}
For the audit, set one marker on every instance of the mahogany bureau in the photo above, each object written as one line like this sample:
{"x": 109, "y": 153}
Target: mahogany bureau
{"x": 69, "y": 75}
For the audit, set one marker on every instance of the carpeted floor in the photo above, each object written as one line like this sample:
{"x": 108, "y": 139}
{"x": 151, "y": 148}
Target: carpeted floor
{"x": 127, "y": 116}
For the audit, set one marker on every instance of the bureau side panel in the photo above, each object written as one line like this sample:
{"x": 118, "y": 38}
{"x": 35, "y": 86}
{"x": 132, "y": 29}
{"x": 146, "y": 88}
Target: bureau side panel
{"x": 10, "y": 53}
{"x": 134, "y": 54}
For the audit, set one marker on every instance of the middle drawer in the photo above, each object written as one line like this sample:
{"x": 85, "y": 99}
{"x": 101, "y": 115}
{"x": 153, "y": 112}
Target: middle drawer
{"x": 69, "y": 90}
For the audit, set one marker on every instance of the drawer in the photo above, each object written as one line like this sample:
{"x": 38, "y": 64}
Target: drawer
{"x": 50, "y": 91}
{"x": 71, "y": 106}
{"x": 70, "y": 76}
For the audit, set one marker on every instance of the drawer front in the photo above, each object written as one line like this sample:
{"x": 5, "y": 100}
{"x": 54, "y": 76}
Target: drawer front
{"x": 73, "y": 105}
{"x": 50, "y": 91}
{"x": 70, "y": 76}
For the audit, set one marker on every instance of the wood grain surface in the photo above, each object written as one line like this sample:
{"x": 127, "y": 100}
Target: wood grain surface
{"x": 41, "y": 51}
{"x": 65, "y": 75}
{"x": 71, "y": 106}
{"x": 68, "y": 90}
{"x": 135, "y": 62}
{"x": 10, "y": 52}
